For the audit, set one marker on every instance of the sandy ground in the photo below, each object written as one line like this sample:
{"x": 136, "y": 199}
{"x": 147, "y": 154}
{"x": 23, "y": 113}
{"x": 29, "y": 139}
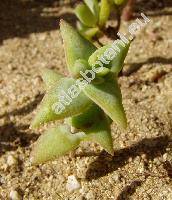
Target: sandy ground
{"x": 141, "y": 168}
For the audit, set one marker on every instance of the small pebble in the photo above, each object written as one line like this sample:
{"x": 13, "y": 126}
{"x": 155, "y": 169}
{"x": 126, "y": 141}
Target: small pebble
{"x": 141, "y": 168}
{"x": 90, "y": 195}
{"x": 42, "y": 37}
{"x": 116, "y": 177}
{"x": 11, "y": 160}
{"x": 130, "y": 159}
{"x": 156, "y": 161}
{"x": 14, "y": 195}
{"x": 72, "y": 183}
{"x": 165, "y": 156}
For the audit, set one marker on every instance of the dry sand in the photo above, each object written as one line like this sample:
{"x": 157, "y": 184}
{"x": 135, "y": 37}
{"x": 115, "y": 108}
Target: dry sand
{"x": 141, "y": 168}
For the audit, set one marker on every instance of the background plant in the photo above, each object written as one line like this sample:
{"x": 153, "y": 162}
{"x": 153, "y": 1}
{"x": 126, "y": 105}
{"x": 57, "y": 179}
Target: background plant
{"x": 91, "y": 112}
{"x": 127, "y": 13}
{"x": 93, "y": 16}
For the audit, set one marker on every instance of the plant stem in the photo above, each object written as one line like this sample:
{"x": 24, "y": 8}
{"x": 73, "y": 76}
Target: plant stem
{"x": 127, "y": 13}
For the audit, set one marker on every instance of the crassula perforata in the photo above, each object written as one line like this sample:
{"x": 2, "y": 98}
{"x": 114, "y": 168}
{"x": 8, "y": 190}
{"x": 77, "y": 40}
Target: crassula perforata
{"x": 93, "y": 16}
{"x": 93, "y": 109}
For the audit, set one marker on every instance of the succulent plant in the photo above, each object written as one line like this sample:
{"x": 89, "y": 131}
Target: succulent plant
{"x": 91, "y": 111}
{"x": 93, "y": 16}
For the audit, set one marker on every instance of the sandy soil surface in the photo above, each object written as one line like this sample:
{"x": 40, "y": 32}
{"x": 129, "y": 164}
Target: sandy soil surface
{"x": 141, "y": 168}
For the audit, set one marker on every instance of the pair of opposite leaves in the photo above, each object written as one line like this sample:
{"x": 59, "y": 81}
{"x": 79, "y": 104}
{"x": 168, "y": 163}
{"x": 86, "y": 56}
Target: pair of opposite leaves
{"x": 94, "y": 15}
{"x": 89, "y": 112}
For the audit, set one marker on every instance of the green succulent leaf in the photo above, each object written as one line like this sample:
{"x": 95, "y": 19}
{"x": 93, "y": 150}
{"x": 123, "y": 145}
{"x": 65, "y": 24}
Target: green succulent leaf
{"x": 116, "y": 64}
{"x": 108, "y": 96}
{"x": 103, "y": 72}
{"x": 95, "y": 125}
{"x": 91, "y": 32}
{"x": 86, "y": 119}
{"x": 85, "y": 15}
{"x": 101, "y": 134}
{"x": 98, "y": 80}
{"x": 118, "y": 61}
{"x": 51, "y": 109}
{"x": 97, "y": 55}
{"x": 80, "y": 65}
{"x": 105, "y": 10}
{"x": 119, "y": 2}
{"x": 81, "y": 27}
{"x": 88, "y": 32}
{"x": 76, "y": 46}
{"x": 50, "y": 77}
{"x": 55, "y": 142}
{"x": 94, "y": 7}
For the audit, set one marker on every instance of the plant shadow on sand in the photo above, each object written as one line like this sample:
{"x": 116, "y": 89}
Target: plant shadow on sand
{"x": 12, "y": 136}
{"x": 134, "y": 67}
{"x": 153, "y": 8}
{"x": 129, "y": 190}
{"x": 25, "y": 109}
{"x": 21, "y": 18}
{"x": 104, "y": 163}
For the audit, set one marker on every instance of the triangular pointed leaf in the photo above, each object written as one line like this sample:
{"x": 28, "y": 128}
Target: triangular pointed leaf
{"x": 81, "y": 27}
{"x": 118, "y": 61}
{"x": 55, "y": 142}
{"x": 80, "y": 65}
{"x": 97, "y": 56}
{"x": 103, "y": 72}
{"x": 108, "y": 96}
{"x": 93, "y": 6}
{"x": 73, "y": 102}
{"x": 117, "y": 51}
{"x": 91, "y": 32}
{"x": 75, "y": 46}
{"x": 86, "y": 119}
{"x": 88, "y": 32}
{"x": 95, "y": 125}
{"x": 104, "y": 12}
{"x": 101, "y": 134}
{"x": 85, "y": 15}
{"x": 50, "y": 77}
